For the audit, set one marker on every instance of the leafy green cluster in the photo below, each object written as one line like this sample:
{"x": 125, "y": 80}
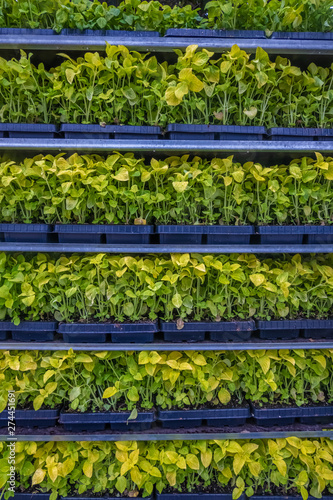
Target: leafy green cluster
{"x": 131, "y": 88}
{"x": 123, "y": 189}
{"x": 117, "y": 381}
{"x": 195, "y": 287}
{"x": 273, "y": 15}
{"x": 131, "y": 467}
{"x": 130, "y": 15}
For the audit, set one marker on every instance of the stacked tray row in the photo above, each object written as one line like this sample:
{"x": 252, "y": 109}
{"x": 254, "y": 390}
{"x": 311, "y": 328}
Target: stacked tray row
{"x": 145, "y": 332}
{"x": 120, "y": 234}
{"x": 172, "y": 419}
{"x": 174, "y": 131}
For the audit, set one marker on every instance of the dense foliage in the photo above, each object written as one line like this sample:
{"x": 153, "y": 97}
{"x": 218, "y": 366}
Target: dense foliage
{"x": 304, "y": 465}
{"x": 193, "y": 287}
{"x": 123, "y": 189}
{"x": 131, "y": 88}
{"x": 115, "y": 381}
{"x": 273, "y": 15}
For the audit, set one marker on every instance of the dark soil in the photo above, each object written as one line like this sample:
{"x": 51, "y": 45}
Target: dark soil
{"x": 102, "y": 494}
{"x": 209, "y": 405}
{"x": 120, "y": 409}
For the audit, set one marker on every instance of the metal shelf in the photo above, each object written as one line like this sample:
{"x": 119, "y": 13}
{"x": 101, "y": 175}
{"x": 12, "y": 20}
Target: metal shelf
{"x": 164, "y": 435}
{"x": 163, "y": 44}
{"x": 142, "y": 249}
{"x": 165, "y": 146}
{"x": 250, "y": 345}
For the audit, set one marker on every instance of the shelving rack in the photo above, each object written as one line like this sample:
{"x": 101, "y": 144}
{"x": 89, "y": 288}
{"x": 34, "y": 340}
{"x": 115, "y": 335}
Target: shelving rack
{"x": 48, "y": 46}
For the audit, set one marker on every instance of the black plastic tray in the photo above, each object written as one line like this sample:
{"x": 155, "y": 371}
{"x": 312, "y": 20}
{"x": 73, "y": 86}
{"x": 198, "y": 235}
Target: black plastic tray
{"x": 174, "y": 419}
{"x": 317, "y": 414}
{"x": 25, "y": 233}
{"x": 318, "y": 328}
{"x": 98, "y": 421}
{"x": 279, "y": 329}
{"x": 228, "y": 235}
{"x": 196, "y": 331}
{"x": 29, "y": 130}
{"x": 296, "y": 134}
{"x": 26, "y": 331}
{"x": 282, "y": 235}
{"x": 320, "y": 235}
{"x": 101, "y": 233}
{"x": 95, "y": 131}
{"x": 31, "y": 496}
{"x": 31, "y": 418}
{"x": 99, "y": 332}
{"x": 180, "y": 131}
{"x": 275, "y": 416}
{"x": 181, "y": 234}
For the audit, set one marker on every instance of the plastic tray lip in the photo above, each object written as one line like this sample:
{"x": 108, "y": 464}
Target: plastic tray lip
{"x": 286, "y": 229}
{"x": 33, "y": 414}
{"x": 225, "y": 229}
{"x": 104, "y": 228}
{"x": 108, "y": 327}
{"x": 208, "y": 413}
{"x": 110, "y": 128}
{"x": 105, "y": 417}
{"x": 204, "y": 128}
{"x": 179, "y": 229}
{"x": 40, "y": 326}
{"x": 222, "y": 326}
{"x": 28, "y": 127}
{"x": 216, "y": 33}
{"x": 21, "y": 227}
{"x": 294, "y": 324}
{"x": 302, "y": 35}
{"x": 306, "y": 131}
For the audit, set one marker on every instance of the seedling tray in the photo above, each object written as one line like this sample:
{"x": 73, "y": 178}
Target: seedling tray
{"x": 178, "y": 235}
{"x": 320, "y": 235}
{"x": 295, "y": 134}
{"x": 180, "y": 131}
{"x": 31, "y": 418}
{"x": 317, "y": 414}
{"x": 28, "y": 130}
{"x": 81, "y": 131}
{"x": 282, "y": 235}
{"x": 203, "y": 33}
{"x": 39, "y": 331}
{"x": 279, "y": 329}
{"x": 197, "y": 331}
{"x": 31, "y": 496}
{"x": 101, "y": 233}
{"x": 98, "y": 421}
{"x": 100, "y": 332}
{"x": 275, "y": 416}
{"x": 25, "y": 233}
{"x": 133, "y": 332}
{"x": 174, "y": 419}
{"x": 228, "y": 235}
{"x": 318, "y": 329}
